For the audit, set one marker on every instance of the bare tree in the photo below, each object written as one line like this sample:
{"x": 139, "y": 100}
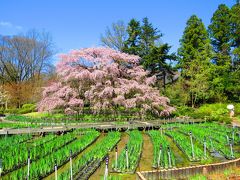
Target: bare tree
{"x": 115, "y": 36}
{"x": 23, "y": 60}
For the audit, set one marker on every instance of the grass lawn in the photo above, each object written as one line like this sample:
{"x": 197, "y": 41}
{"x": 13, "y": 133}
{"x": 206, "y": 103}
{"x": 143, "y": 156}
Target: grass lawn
{"x": 43, "y": 114}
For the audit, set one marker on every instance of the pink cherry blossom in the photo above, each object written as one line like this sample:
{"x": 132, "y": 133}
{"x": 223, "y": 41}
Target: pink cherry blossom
{"x": 102, "y": 78}
{"x": 74, "y": 102}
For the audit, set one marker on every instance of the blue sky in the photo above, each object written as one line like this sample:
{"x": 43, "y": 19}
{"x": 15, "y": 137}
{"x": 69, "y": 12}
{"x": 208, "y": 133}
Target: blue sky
{"x": 75, "y": 24}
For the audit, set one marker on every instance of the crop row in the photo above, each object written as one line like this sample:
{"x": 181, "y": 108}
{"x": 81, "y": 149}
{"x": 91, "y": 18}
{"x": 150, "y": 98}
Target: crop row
{"x": 42, "y": 140}
{"x": 130, "y": 155}
{"x": 201, "y": 135}
{"x": 90, "y": 160}
{"x": 163, "y": 155}
{"x": 232, "y": 132}
{"x": 44, "y": 166}
{"x": 210, "y": 137}
{"x": 6, "y": 141}
{"x": 221, "y": 133}
{"x": 193, "y": 152}
{"x": 47, "y": 145}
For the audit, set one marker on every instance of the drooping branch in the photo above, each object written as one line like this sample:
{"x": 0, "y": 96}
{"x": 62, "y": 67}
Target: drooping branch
{"x": 111, "y": 79}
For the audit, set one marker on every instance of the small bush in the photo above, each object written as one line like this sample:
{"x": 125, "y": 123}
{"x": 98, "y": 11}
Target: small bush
{"x": 209, "y": 109}
{"x": 184, "y": 111}
{"x": 27, "y": 108}
{"x": 210, "y": 112}
{"x": 214, "y": 112}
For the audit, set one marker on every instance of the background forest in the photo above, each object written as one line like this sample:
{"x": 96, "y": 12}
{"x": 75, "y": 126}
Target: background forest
{"x": 200, "y": 78}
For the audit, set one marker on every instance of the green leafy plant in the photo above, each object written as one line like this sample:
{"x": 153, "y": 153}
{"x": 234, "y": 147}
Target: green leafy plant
{"x": 134, "y": 148}
{"x": 160, "y": 141}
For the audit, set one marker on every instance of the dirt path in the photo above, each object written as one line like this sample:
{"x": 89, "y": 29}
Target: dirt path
{"x": 100, "y": 171}
{"x": 146, "y": 160}
{"x": 144, "y": 164}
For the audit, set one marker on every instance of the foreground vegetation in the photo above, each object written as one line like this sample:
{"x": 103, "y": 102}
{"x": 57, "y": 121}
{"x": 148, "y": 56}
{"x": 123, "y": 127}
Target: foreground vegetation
{"x": 46, "y": 152}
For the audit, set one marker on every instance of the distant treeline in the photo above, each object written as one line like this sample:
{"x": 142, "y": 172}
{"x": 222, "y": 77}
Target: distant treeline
{"x": 208, "y": 59}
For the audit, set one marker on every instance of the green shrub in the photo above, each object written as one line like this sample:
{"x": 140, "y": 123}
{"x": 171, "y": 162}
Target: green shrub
{"x": 56, "y": 116}
{"x": 215, "y": 112}
{"x": 27, "y": 108}
{"x": 210, "y": 112}
{"x": 183, "y": 111}
{"x": 209, "y": 109}
{"x": 198, "y": 115}
{"x": 11, "y": 111}
{"x": 222, "y": 119}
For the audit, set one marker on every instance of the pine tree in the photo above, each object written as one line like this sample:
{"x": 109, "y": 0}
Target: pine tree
{"x": 142, "y": 41}
{"x": 194, "y": 60}
{"x": 131, "y": 45}
{"x": 220, "y": 34}
{"x": 141, "y": 38}
{"x": 232, "y": 82}
{"x": 235, "y": 24}
{"x": 194, "y": 45}
{"x": 156, "y": 61}
{"x": 148, "y": 37}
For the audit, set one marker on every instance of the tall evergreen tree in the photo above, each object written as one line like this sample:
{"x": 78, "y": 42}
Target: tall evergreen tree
{"x": 235, "y": 24}
{"x": 156, "y": 61}
{"x": 220, "y": 34}
{"x": 131, "y": 45}
{"x": 142, "y": 41}
{"x": 141, "y": 38}
{"x": 232, "y": 82}
{"x": 148, "y": 37}
{"x": 194, "y": 60}
{"x": 194, "y": 45}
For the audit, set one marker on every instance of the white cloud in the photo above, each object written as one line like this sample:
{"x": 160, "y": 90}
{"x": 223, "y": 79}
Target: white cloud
{"x": 7, "y": 24}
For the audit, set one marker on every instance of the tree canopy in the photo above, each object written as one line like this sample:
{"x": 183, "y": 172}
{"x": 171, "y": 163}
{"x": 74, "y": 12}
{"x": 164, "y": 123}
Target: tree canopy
{"x": 194, "y": 60}
{"x": 24, "y": 59}
{"x": 103, "y": 79}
